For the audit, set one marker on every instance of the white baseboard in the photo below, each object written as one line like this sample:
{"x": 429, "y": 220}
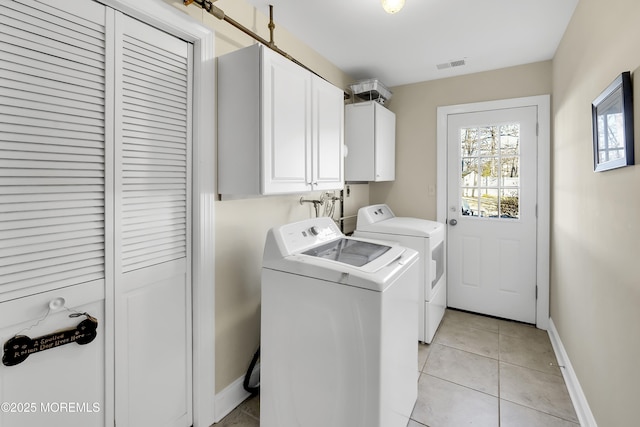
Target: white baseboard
{"x": 229, "y": 398}
{"x": 583, "y": 411}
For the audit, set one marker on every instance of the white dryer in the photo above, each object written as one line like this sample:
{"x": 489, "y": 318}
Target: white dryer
{"x": 339, "y": 320}
{"x": 426, "y": 237}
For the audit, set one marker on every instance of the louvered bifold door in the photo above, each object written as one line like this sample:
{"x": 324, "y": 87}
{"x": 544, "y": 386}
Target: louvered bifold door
{"x": 152, "y": 225}
{"x": 53, "y": 184}
{"x": 52, "y": 146}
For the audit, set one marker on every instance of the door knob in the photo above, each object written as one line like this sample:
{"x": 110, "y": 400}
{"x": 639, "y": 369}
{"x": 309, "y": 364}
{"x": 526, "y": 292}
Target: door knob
{"x": 453, "y": 221}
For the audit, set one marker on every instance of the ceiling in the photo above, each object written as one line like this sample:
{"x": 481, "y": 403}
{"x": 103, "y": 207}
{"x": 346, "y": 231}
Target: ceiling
{"x": 360, "y": 38}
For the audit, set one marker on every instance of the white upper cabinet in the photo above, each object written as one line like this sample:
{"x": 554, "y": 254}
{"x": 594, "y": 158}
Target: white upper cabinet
{"x": 327, "y": 126}
{"x": 286, "y": 125}
{"x": 370, "y": 137}
{"x": 280, "y": 127}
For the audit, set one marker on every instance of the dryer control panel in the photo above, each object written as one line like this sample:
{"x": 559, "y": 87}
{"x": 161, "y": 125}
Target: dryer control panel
{"x": 374, "y": 213}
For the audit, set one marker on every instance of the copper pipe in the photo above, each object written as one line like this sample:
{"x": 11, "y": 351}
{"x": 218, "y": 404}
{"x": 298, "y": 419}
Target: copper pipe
{"x": 272, "y": 26}
{"x": 219, "y": 13}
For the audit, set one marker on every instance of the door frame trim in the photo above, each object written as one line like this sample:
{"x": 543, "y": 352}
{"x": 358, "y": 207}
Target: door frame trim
{"x": 543, "y": 197}
{"x": 169, "y": 19}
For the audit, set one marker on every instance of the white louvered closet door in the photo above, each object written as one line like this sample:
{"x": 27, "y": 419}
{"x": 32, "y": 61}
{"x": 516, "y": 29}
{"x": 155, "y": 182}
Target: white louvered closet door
{"x": 52, "y": 147}
{"x": 152, "y": 227}
{"x": 52, "y": 202}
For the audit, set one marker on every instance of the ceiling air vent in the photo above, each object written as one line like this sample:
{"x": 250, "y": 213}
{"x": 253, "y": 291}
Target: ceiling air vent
{"x": 451, "y": 64}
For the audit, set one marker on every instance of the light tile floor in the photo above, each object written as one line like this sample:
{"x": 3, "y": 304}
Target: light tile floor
{"x": 478, "y": 371}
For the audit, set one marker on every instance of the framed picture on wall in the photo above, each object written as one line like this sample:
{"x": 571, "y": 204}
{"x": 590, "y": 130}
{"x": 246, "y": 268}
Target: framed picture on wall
{"x": 612, "y": 114}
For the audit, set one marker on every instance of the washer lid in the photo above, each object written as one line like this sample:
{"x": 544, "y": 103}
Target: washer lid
{"x": 349, "y": 251}
{"x": 404, "y": 226}
{"x": 377, "y": 275}
{"x": 316, "y": 248}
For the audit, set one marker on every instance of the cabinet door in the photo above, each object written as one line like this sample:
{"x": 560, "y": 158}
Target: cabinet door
{"x": 359, "y": 137}
{"x": 286, "y": 129}
{"x": 327, "y": 137}
{"x": 385, "y": 144}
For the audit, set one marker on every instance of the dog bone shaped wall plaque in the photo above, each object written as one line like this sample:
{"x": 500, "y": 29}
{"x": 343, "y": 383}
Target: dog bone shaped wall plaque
{"x": 18, "y": 348}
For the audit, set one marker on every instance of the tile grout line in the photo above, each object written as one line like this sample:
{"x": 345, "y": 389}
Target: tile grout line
{"x": 461, "y": 385}
{"x": 531, "y": 369}
{"x": 469, "y": 352}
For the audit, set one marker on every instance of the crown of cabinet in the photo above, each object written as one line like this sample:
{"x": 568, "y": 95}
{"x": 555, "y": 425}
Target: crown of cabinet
{"x": 280, "y": 127}
{"x": 370, "y": 137}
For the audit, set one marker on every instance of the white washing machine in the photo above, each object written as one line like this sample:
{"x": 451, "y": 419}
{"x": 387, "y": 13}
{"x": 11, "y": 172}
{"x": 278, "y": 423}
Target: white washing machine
{"x": 426, "y": 237}
{"x": 339, "y": 320}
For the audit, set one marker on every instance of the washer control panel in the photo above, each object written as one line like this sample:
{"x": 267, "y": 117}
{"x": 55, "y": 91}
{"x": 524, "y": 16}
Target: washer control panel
{"x": 300, "y": 236}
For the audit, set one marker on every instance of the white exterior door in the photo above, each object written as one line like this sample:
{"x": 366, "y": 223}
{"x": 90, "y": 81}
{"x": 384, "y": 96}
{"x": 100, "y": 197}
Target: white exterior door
{"x": 491, "y": 212}
{"x": 152, "y": 227}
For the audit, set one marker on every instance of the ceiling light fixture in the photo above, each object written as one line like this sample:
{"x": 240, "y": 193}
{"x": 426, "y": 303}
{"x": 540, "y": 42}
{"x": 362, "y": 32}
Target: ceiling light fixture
{"x": 392, "y": 6}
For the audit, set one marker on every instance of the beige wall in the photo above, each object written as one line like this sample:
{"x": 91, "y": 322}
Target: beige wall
{"x": 413, "y": 193}
{"x": 241, "y": 225}
{"x": 595, "y": 280}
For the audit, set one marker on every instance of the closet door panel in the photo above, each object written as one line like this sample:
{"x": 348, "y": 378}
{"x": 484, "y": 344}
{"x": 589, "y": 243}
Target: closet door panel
{"x": 152, "y": 227}
{"x": 51, "y": 378}
{"x": 52, "y": 150}
{"x": 52, "y": 208}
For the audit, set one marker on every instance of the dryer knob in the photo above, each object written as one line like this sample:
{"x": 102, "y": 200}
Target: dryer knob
{"x": 314, "y": 231}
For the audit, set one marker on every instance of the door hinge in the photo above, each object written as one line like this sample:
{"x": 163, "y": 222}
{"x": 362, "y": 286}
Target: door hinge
{"x": 536, "y": 292}
{"x": 536, "y": 211}
{"x": 537, "y": 129}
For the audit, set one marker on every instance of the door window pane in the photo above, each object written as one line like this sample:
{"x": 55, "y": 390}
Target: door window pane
{"x": 489, "y": 203}
{"x": 470, "y": 172}
{"x": 510, "y": 173}
{"x": 510, "y": 139}
{"x": 509, "y": 203}
{"x": 469, "y": 138}
{"x": 490, "y": 171}
{"x": 488, "y": 140}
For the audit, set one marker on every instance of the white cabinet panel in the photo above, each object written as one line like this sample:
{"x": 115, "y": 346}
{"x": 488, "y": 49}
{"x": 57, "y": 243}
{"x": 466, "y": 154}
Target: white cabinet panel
{"x": 385, "y": 144}
{"x": 370, "y": 136}
{"x": 327, "y": 136}
{"x": 280, "y": 127}
{"x": 286, "y": 120}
